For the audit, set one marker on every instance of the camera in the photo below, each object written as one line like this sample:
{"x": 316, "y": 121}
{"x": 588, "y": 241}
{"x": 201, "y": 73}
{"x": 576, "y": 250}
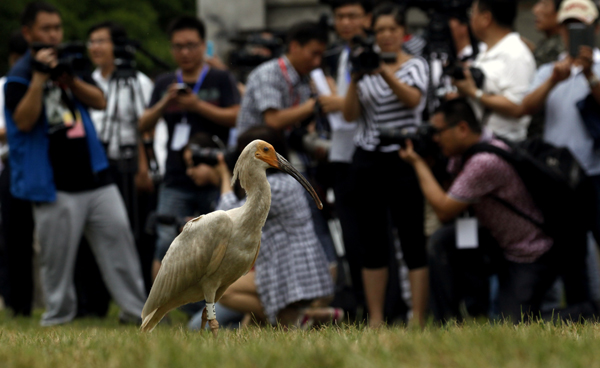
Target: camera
{"x": 364, "y": 58}
{"x": 204, "y": 155}
{"x": 209, "y": 155}
{"x": 421, "y": 137}
{"x": 72, "y": 59}
{"x": 457, "y": 72}
{"x": 182, "y": 89}
{"x": 124, "y": 51}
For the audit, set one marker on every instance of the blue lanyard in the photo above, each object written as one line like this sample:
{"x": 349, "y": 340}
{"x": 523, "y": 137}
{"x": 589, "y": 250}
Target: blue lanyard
{"x": 348, "y": 66}
{"x": 198, "y": 84}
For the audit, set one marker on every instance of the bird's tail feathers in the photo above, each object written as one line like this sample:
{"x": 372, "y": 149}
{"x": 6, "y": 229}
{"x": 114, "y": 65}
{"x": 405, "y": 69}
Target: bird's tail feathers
{"x": 149, "y": 322}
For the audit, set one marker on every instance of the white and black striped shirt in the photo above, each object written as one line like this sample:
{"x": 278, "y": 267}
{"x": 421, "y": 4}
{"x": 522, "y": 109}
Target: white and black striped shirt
{"x": 381, "y": 108}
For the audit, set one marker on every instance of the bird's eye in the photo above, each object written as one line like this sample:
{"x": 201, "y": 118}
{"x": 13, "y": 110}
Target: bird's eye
{"x": 266, "y": 149}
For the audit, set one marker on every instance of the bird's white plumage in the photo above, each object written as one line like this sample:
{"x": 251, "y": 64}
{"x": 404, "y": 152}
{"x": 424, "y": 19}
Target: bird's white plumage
{"x": 216, "y": 249}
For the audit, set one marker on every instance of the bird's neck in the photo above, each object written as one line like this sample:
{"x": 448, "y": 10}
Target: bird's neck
{"x": 258, "y": 200}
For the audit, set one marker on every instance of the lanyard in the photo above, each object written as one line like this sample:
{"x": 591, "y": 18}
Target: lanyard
{"x": 196, "y": 88}
{"x": 348, "y": 65}
{"x": 293, "y": 94}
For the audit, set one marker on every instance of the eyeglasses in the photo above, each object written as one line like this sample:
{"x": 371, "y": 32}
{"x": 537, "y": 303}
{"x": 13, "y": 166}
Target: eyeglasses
{"x": 350, "y": 16}
{"x": 97, "y": 42}
{"x": 438, "y": 131}
{"x": 189, "y": 46}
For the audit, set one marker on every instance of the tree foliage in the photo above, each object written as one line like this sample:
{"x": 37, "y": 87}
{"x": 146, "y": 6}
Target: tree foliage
{"x": 144, "y": 20}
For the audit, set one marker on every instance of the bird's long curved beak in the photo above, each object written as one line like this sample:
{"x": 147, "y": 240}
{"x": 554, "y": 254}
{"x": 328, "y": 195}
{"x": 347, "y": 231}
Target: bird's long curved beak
{"x": 286, "y": 167}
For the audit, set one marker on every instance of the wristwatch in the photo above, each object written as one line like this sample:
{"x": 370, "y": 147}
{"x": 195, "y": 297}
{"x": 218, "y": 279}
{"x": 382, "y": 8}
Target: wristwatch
{"x": 478, "y": 95}
{"x": 593, "y": 81}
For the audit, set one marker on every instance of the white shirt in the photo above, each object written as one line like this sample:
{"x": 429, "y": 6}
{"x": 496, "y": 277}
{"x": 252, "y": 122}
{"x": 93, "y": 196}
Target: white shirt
{"x": 124, "y": 121}
{"x": 509, "y": 68}
{"x": 342, "y": 141}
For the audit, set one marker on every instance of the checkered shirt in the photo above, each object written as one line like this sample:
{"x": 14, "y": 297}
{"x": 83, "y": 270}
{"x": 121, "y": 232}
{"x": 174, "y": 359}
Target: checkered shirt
{"x": 267, "y": 88}
{"x": 291, "y": 265}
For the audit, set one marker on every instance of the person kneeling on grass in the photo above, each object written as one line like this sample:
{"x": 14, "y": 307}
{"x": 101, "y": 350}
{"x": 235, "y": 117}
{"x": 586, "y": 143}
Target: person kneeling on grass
{"x": 524, "y": 258}
{"x": 291, "y": 269}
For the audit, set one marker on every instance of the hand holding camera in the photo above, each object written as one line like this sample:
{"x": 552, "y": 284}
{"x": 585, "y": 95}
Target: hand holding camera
{"x": 467, "y": 86}
{"x": 562, "y": 70}
{"x": 184, "y": 97}
{"x": 408, "y": 153}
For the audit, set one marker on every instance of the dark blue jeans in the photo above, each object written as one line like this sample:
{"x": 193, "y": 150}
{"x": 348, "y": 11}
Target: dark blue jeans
{"x": 181, "y": 203}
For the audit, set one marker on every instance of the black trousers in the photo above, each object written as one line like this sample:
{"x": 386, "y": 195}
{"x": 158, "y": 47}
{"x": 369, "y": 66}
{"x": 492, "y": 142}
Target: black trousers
{"x": 346, "y": 213}
{"x": 384, "y": 186}
{"x": 18, "y": 226}
{"x": 462, "y": 275}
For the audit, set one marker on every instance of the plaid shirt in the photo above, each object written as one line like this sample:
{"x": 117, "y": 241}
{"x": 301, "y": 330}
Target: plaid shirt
{"x": 268, "y": 88}
{"x": 291, "y": 265}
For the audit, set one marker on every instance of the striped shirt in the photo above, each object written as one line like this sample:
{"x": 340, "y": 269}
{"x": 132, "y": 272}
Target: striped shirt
{"x": 381, "y": 108}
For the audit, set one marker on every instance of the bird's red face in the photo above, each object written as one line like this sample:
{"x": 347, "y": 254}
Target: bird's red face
{"x": 265, "y": 152}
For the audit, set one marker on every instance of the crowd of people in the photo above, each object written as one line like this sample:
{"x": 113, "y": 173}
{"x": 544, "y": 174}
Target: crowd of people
{"x": 405, "y": 144}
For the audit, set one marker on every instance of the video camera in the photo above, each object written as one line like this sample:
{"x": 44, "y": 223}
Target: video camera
{"x": 72, "y": 59}
{"x": 440, "y": 44}
{"x": 365, "y": 59}
{"x": 256, "y": 48}
{"x": 422, "y": 138}
{"x": 124, "y": 50}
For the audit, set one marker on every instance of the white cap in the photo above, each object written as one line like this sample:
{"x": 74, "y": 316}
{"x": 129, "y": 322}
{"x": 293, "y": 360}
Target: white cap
{"x": 582, "y": 10}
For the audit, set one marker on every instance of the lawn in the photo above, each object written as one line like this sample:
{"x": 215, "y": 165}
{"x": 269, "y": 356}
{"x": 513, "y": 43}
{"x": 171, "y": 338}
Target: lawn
{"x": 91, "y": 343}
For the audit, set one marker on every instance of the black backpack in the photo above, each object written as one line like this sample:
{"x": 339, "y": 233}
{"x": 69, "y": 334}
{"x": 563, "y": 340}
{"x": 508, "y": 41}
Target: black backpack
{"x": 555, "y": 180}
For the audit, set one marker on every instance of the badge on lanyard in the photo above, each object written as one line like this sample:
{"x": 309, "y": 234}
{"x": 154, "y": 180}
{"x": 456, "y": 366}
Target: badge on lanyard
{"x": 181, "y": 133}
{"x": 466, "y": 233}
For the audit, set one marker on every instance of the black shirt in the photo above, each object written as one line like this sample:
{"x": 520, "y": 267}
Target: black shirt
{"x": 219, "y": 89}
{"x": 68, "y": 151}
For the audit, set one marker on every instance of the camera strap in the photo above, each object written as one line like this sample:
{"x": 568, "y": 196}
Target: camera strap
{"x": 197, "y": 86}
{"x": 295, "y": 97}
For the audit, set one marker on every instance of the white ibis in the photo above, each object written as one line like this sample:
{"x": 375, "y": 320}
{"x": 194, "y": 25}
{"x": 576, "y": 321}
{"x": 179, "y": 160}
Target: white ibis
{"x": 216, "y": 249}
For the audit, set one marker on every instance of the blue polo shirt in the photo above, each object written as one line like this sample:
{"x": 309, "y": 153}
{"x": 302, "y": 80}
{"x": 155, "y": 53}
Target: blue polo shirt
{"x": 47, "y": 159}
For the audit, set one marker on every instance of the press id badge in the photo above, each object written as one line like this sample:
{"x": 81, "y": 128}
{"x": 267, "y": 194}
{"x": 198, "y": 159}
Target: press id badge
{"x": 181, "y": 135}
{"x": 466, "y": 233}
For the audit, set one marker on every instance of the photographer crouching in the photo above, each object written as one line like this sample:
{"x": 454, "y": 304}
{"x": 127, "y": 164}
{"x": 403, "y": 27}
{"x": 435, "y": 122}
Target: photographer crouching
{"x": 462, "y": 255}
{"x": 388, "y": 94}
{"x": 59, "y": 164}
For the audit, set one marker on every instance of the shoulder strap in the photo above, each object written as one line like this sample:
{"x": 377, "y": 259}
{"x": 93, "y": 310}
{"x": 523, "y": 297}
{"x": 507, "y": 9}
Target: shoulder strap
{"x": 506, "y": 156}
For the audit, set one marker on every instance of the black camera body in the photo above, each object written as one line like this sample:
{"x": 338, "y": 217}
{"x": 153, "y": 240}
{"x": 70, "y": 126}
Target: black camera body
{"x": 209, "y": 155}
{"x": 421, "y": 137}
{"x": 72, "y": 59}
{"x": 124, "y": 51}
{"x": 363, "y": 57}
{"x": 205, "y": 155}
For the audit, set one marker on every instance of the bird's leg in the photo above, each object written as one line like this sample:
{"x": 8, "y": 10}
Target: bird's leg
{"x": 212, "y": 318}
{"x": 204, "y": 319}
{"x": 214, "y": 327}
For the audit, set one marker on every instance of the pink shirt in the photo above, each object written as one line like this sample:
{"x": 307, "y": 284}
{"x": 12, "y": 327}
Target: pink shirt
{"x": 485, "y": 175}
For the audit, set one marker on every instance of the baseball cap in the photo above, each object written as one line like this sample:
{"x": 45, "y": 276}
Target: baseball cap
{"x": 585, "y": 11}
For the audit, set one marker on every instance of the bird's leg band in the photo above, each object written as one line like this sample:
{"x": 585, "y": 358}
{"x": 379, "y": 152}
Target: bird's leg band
{"x": 210, "y": 311}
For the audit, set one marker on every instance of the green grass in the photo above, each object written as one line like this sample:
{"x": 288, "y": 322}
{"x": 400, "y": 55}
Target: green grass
{"x": 93, "y": 343}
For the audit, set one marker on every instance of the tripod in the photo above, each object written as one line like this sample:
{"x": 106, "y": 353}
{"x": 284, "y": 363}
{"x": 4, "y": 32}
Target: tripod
{"x": 120, "y": 136}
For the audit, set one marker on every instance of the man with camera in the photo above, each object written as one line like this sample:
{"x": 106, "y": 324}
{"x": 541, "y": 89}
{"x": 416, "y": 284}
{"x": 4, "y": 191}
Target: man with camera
{"x": 507, "y": 65}
{"x": 569, "y": 91}
{"x": 278, "y": 92}
{"x": 195, "y": 98}
{"x": 58, "y": 163}
{"x": 498, "y": 240}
